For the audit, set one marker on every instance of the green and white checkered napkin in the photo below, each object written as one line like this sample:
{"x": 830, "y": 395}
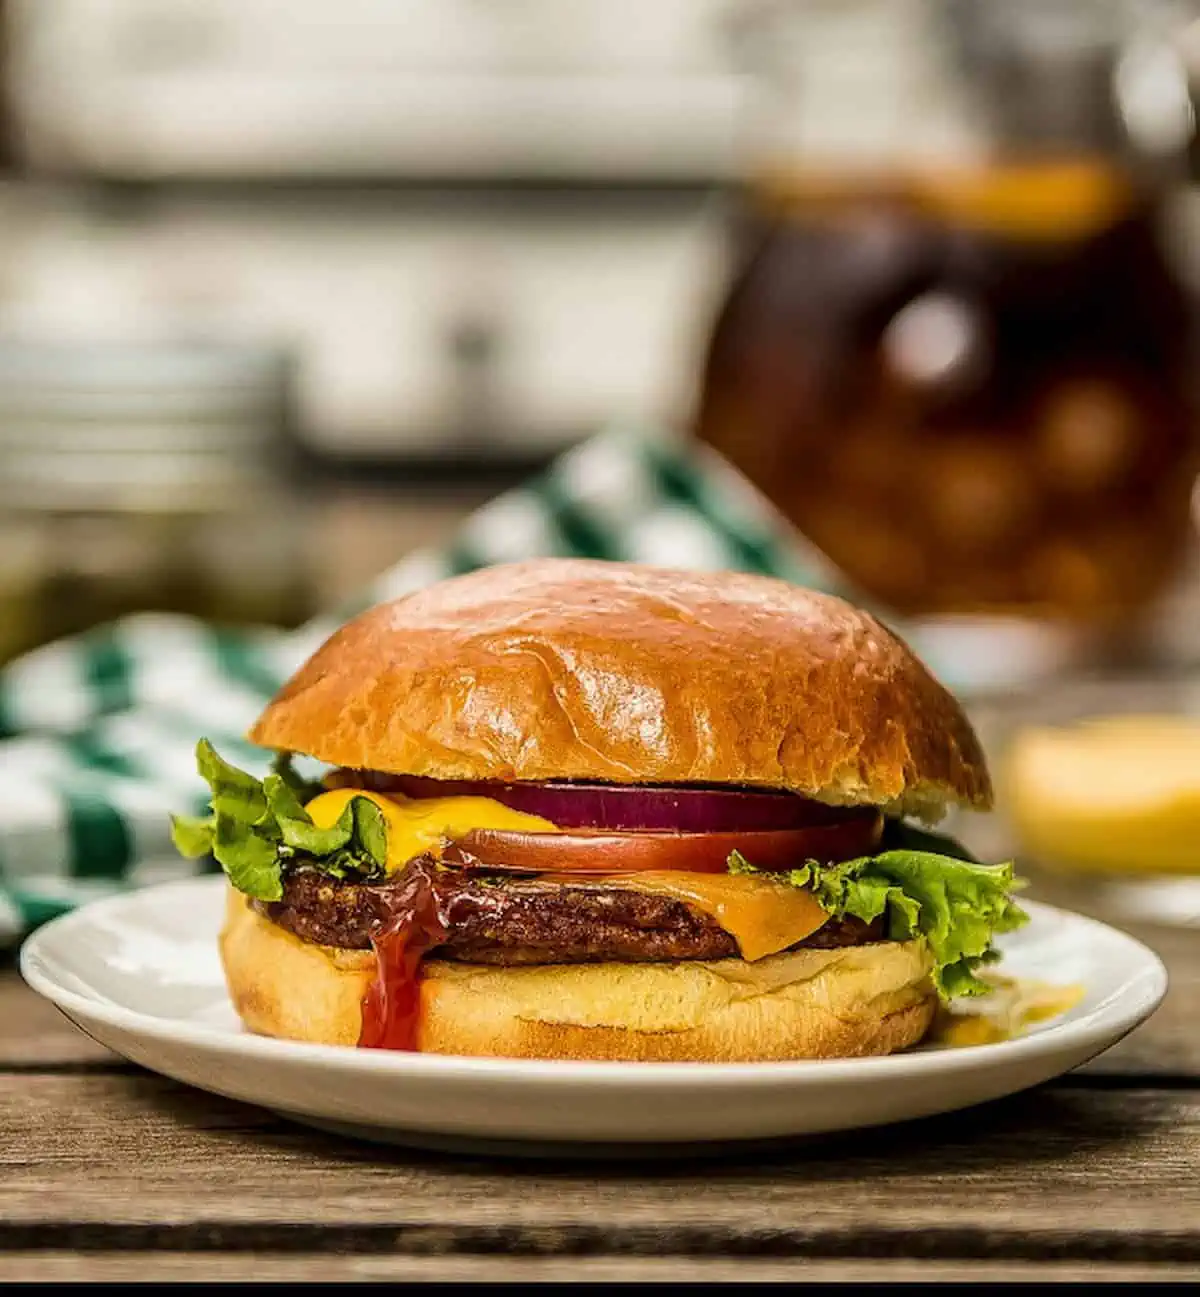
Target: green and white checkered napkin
{"x": 98, "y": 732}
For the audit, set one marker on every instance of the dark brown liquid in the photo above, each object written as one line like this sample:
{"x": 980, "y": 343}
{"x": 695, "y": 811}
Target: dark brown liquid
{"x": 969, "y": 392}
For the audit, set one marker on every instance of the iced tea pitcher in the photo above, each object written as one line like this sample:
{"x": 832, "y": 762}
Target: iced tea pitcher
{"x": 954, "y": 349}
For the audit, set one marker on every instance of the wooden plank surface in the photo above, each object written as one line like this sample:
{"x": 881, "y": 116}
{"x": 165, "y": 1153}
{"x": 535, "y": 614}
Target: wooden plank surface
{"x": 34, "y": 1034}
{"x": 69, "y": 1267}
{"x": 1074, "y": 1173}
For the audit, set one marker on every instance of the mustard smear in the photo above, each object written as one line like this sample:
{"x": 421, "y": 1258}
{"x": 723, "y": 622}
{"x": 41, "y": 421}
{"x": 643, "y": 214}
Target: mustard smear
{"x": 1113, "y": 794}
{"x": 1012, "y": 1008}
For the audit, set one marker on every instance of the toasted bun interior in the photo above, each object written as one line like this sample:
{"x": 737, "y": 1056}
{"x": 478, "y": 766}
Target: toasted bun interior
{"x": 855, "y": 1001}
{"x": 570, "y": 669}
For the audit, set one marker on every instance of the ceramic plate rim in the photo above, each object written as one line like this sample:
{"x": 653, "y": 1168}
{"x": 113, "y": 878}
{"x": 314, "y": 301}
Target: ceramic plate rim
{"x": 1123, "y": 1009}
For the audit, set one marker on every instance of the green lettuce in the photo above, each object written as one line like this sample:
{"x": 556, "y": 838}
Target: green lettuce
{"x": 260, "y": 827}
{"x": 956, "y": 904}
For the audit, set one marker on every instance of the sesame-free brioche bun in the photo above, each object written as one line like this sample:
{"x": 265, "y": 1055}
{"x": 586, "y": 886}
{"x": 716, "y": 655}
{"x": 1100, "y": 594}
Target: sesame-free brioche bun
{"x": 574, "y": 669}
{"x": 859, "y": 1000}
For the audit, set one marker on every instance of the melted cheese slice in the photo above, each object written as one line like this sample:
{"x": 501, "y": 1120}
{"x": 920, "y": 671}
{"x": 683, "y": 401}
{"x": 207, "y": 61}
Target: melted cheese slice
{"x": 763, "y": 916}
{"x": 417, "y": 825}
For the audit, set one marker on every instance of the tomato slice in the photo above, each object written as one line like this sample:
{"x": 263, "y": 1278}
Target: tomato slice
{"x": 699, "y": 853}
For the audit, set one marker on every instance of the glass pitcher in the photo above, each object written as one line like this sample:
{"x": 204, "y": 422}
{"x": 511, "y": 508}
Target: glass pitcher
{"x": 954, "y": 350}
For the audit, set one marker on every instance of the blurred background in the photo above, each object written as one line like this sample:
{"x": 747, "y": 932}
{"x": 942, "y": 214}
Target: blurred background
{"x": 386, "y": 257}
{"x": 283, "y": 298}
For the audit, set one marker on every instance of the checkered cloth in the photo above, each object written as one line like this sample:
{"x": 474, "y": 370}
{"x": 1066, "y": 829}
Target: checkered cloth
{"x": 98, "y": 732}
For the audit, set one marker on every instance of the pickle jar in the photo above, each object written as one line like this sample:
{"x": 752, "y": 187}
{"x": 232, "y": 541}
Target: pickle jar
{"x": 145, "y": 476}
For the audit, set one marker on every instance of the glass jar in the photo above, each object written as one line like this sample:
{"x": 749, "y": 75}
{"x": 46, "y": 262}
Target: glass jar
{"x": 954, "y": 351}
{"x": 145, "y": 476}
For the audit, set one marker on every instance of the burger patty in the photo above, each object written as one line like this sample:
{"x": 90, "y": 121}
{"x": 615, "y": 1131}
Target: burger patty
{"x": 526, "y": 921}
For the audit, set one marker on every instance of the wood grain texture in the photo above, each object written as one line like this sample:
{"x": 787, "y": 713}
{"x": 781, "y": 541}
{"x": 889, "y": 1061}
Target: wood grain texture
{"x": 127, "y": 1161}
{"x": 68, "y": 1267}
{"x": 34, "y": 1034}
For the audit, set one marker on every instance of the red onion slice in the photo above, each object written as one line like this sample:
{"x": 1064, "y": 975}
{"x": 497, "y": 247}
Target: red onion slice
{"x": 636, "y": 807}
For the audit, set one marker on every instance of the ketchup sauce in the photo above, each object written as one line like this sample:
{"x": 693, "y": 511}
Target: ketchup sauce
{"x": 420, "y": 915}
{"x": 391, "y": 1008}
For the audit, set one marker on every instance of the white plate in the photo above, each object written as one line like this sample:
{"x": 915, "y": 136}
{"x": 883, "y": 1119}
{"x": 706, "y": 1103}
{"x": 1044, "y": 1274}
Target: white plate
{"x": 140, "y": 973}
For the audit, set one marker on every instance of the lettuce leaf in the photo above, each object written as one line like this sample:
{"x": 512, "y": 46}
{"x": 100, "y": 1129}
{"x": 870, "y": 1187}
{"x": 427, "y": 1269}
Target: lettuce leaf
{"x": 249, "y": 854}
{"x": 361, "y": 823}
{"x": 259, "y": 828}
{"x": 956, "y": 905}
{"x": 192, "y": 835}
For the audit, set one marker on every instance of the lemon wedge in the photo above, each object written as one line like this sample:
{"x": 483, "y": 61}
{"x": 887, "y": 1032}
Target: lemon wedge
{"x": 1112, "y": 794}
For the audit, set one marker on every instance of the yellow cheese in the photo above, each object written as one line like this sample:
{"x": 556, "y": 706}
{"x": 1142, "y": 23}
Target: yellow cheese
{"x": 417, "y": 825}
{"x": 763, "y": 916}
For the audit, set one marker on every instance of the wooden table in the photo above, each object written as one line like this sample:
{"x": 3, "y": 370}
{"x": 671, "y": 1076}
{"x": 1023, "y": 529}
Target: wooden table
{"x": 112, "y": 1173}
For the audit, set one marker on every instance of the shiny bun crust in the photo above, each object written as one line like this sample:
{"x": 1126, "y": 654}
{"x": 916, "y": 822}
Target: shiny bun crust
{"x": 572, "y": 669}
{"x": 844, "y": 1003}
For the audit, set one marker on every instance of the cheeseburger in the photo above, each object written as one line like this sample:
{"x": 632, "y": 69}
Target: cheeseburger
{"x": 600, "y": 811}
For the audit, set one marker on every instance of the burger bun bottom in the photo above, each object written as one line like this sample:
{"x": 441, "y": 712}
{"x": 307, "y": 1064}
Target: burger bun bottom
{"x": 843, "y": 1003}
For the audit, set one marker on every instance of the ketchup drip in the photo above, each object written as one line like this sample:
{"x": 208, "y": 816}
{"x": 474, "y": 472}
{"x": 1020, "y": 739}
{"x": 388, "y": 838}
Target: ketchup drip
{"x": 417, "y": 922}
